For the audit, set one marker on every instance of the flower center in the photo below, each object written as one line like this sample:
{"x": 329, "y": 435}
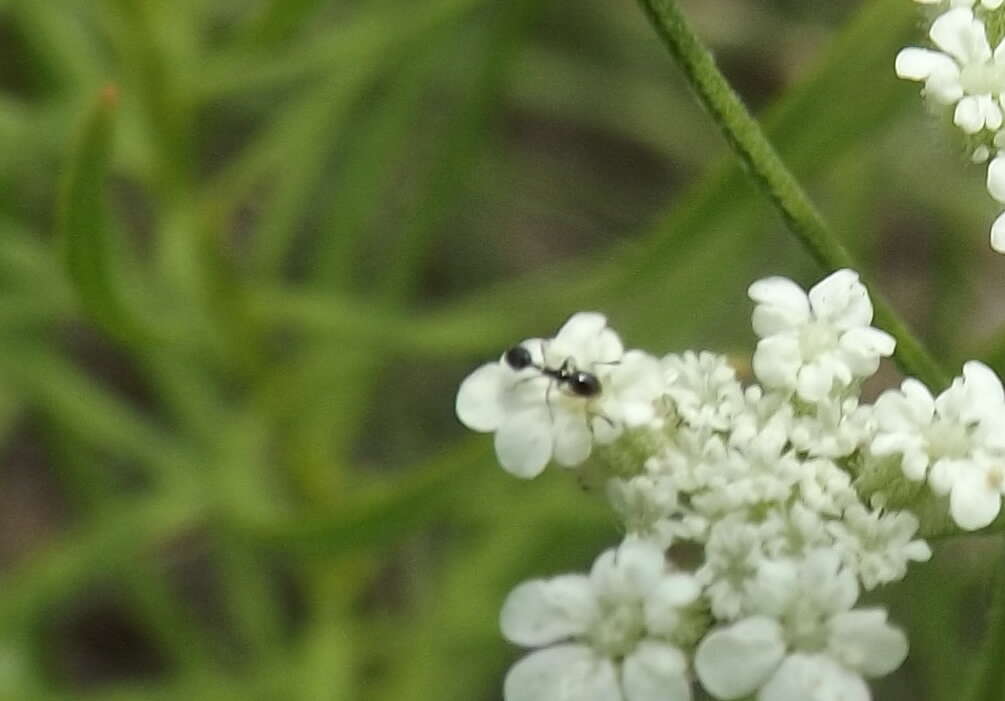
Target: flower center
{"x": 816, "y": 338}
{"x": 982, "y": 79}
{"x": 804, "y": 629}
{"x": 618, "y": 630}
{"x": 948, "y": 439}
{"x": 995, "y": 478}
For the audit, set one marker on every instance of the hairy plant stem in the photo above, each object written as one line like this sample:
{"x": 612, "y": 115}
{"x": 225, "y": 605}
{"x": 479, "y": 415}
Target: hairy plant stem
{"x": 748, "y": 140}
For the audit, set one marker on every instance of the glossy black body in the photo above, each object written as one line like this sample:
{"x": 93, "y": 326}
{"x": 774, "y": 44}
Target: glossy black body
{"x": 577, "y": 382}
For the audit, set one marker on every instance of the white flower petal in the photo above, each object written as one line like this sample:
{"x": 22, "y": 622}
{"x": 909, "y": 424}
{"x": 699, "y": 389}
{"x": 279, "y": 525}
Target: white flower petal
{"x": 545, "y": 611}
{"x": 968, "y": 115}
{"x": 479, "y": 403}
{"x": 973, "y": 502}
{"x": 656, "y": 672}
{"x": 573, "y": 439}
{"x": 905, "y": 410}
{"x": 777, "y": 361}
{"x": 524, "y": 442}
{"x": 944, "y": 86}
{"x": 957, "y": 33}
{"x": 814, "y": 382}
{"x": 992, "y": 112}
{"x": 868, "y": 341}
{"x": 998, "y": 234}
{"x": 630, "y": 571}
{"x": 841, "y": 300}
{"x": 862, "y": 640}
{"x": 945, "y": 472}
{"x": 581, "y": 328}
{"x": 562, "y": 673}
{"x": 915, "y": 463}
{"x": 638, "y": 376}
{"x": 781, "y": 305}
{"x": 813, "y": 678}
{"x": 733, "y": 662}
{"x": 918, "y": 64}
{"x": 662, "y": 605}
{"x": 984, "y": 388}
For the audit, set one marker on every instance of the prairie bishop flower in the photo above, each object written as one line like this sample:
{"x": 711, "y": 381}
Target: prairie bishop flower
{"x": 807, "y": 643}
{"x": 955, "y": 440}
{"x": 965, "y": 71}
{"x": 812, "y": 343}
{"x": 537, "y": 416}
{"x": 607, "y": 636}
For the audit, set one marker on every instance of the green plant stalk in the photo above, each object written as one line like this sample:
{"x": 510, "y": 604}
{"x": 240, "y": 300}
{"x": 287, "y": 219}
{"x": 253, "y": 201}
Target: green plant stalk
{"x": 988, "y": 683}
{"x": 747, "y": 139}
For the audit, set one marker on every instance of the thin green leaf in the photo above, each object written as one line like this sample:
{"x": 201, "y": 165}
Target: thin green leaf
{"x": 85, "y": 230}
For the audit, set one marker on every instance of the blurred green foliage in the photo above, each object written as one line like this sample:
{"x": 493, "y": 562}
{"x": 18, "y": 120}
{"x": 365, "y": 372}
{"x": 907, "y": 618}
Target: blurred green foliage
{"x": 248, "y": 250}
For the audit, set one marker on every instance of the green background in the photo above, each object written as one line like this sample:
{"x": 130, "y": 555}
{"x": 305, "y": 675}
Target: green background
{"x": 248, "y": 250}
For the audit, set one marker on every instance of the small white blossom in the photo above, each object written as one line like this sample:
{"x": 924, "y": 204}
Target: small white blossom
{"x": 733, "y": 553}
{"x": 761, "y": 470}
{"x": 965, "y": 72}
{"x": 816, "y": 342}
{"x": 806, "y": 643}
{"x": 703, "y": 388}
{"x": 536, "y": 418}
{"x": 878, "y": 546}
{"x": 607, "y": 636}
{"x": 950, "y": 440}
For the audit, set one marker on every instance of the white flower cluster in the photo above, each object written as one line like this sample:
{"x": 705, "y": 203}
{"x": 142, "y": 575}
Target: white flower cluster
{"x": 768, "y": 481}
{"x": 965, "y": 73}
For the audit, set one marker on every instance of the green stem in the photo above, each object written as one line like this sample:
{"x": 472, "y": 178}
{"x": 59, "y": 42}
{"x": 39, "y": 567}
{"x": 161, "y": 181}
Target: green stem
{"x": 746, "y": 138}
{"x": 989, "y": 679}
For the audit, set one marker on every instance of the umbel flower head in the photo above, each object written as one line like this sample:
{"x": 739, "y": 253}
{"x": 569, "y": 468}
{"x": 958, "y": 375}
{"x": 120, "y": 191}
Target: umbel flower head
{"x": 763, "y": 480}
{"x": 964, "y": 72}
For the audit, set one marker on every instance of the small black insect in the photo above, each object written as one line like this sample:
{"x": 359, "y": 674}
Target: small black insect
{"x": 577, "y": 382}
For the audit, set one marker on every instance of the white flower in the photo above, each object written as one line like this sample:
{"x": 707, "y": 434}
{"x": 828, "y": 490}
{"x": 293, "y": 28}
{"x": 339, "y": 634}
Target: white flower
{"x": 733, "y": 553}
{"x": 878, "y": 546}
{"x": 965, "y": 72}
{"x": 758, "y": 470}
{"x": 537, "y": 417}
{"x": 703, "y": 388}
{"x": 945, "y": 438}
{"x": 813, "y": 343}
{"x": 610, "y": 634}
{"x": 807, "y": 644}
